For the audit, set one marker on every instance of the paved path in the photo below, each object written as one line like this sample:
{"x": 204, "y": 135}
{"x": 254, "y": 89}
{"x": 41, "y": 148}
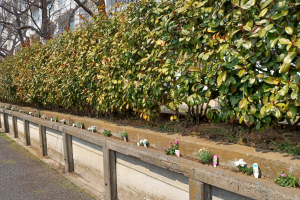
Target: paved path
{"x": 24, "y": 177}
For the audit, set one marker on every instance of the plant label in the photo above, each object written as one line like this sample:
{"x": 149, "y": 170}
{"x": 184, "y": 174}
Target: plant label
{"x": 81, "y": 126}
{"x": 73, "y": 124}
{"x": 125, "y": 139}
{"x": 145, "y": 144}
{"x": 51, "y": 119}
{"x": 215, "y": 160}
{"x": 177, "y": 153}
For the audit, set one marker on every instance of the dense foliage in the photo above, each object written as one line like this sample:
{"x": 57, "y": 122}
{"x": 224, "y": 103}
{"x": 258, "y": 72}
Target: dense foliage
{"x": 167, "y": 53}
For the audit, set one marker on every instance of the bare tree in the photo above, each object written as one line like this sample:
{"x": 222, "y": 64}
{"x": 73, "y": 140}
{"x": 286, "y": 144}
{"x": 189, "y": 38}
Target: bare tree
{"x": 21, "y": 19}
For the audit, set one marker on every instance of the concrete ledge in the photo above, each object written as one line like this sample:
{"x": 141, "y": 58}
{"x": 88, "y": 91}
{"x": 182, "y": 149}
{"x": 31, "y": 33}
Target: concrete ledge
{"x": 218, "y": 177}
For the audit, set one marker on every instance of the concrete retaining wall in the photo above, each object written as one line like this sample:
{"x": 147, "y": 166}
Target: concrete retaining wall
{"x": 124, "y": 171}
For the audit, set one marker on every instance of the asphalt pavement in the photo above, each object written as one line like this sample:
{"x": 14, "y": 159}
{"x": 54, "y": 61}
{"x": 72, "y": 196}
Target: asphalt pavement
{"x": 24, "y": 177}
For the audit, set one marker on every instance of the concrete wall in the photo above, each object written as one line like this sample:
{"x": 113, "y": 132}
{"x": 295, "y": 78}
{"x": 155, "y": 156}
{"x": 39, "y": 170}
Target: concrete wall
{"x": 10, "y": 124}
{"x": 2, "y": 120}
{"x": 34, "y": 134}
{"x": 88, "y": 162}
{"x": 137, "y": 179}
{"x": 220, "y": 194}
{"x": 55, "y": 145}
{"x": 20, "y": 126}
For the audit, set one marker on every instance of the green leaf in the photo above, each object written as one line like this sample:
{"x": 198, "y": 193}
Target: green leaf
{"x": 265, "y": 4}
{"x": 247, "y": 45}
{"x": 248, "y": 4}
{"x": 243, "y": 103}
{"x": 263, "y": 110}
{"x": 288, "y": 30}
{"x": 262, "y": 32}
{"x": 268, "y": 27}
{"x": 241, "y": 72}
{"x": 280, "y": 104}
{"x": 194, "y": 69}
{"x": 252, "y": 109}
{"x": 284, "y": 68}
{"x": 292, "y": 112}
{"x": 263, "y": 12}
{"x": 284, "y": 41}
{"x": 295, "y": 93}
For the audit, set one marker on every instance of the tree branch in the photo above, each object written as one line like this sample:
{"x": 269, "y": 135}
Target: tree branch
{"x": 86, "y": 9}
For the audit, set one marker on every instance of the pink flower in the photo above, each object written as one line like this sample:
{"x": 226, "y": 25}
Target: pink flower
{"x": 169, "y": 147}
{"x": 170, "y": 142}
{"x": 164, "y": 149}
{"x": 175, "y": 142}
{"x": 282, "y": 175}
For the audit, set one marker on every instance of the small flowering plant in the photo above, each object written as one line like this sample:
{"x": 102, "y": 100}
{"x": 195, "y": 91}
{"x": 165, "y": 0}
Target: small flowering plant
{"x": 80, "y": 125}
{"x": 36, "y": 114}
{"x": 92, "y": 128}
{"x": 172, "y": 148}
{"x": 204, "y": 155}
{"x": 50, "y": 118}
{"x": 63, "y": 121}
{"x": 71, "y": 122}
{"x": 30, "y": 113}
{"x": 143, "y": 142}
{"x": 286, "y": 180}
{"x": 55, "y": 119}
{"x": 44, "y": 117}
{"x": 20, "y": 111}
{"x": 124, "y": 136}
{"x": 25, "y": 112}
{"x": 107, "y": 133}
{"x": 241, "y": 164}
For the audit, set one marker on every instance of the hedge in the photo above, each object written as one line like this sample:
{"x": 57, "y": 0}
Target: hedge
{"x": 246, "y": 53}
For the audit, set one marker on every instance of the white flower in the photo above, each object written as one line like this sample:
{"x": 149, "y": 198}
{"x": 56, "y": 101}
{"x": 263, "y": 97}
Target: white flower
{"x": 240, "y": 162}
{"x": 141, "y": 141}
{"x": 30, "y": 113}
{"x": 20, "y": 110}
{"x": 144, "y": 141}
{"x": 138, "y": 144}
{"x": 63, "y": 120}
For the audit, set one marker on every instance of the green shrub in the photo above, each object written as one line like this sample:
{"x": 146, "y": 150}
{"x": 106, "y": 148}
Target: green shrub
{"x": 151, "y": 53}
{"x": 286, "y": 180}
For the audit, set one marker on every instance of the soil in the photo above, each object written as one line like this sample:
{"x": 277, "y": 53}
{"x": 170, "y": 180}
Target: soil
{"x": 287, "y": 142}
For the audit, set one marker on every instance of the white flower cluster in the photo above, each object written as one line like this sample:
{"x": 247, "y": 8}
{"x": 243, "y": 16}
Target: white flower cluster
{"x": 92, "y": 128}
{"x": 20, "y": 110}
{"x": 143, "y": 142}
{"x": 63, "y": 121}
{"x": 240, "y": 162}
{"x": 44, "y": 117}
{"x": 202, "y": 150}
{"x": 30, "y": 113}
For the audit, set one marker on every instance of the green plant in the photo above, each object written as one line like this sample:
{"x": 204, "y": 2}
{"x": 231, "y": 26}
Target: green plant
{"x": 25, "y": 112}
{"x": 55, "y": 119}
{"x": 246, "y": 170}
{"x": 172, "y": 148}
{"x": 204, "y": 155}
{"x": 124, "y": 135}
{"x": 80, "y": 125}
{"x": 36, "y": 114}
{"x": 107, "y": 133}
{"x": 50, "y": 118}
{"x": 71, "y": 122}
{"x": 286, "y": 180}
